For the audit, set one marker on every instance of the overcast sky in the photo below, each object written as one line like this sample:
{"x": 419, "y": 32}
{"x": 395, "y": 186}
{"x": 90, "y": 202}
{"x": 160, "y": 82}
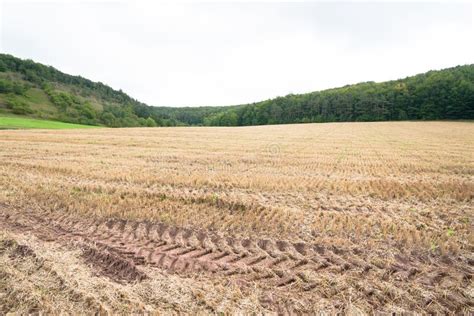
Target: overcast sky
{"x": 233, "y": 53}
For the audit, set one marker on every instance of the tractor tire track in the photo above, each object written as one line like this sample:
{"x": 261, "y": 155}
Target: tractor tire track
{"x": 124, "y": 245}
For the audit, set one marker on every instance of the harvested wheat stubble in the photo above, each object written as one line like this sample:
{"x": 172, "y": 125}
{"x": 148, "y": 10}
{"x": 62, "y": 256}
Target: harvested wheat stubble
{"x": 332, "y": 217}
{"x": 116, "y": 247}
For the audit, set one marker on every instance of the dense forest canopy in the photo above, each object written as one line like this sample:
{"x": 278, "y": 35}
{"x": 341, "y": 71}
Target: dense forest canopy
{"x": 27, "y": 88}
{"x": 435, "y": 95}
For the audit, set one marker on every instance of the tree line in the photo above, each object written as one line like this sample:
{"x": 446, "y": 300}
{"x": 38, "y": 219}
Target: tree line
{"x": 435, "y": 95}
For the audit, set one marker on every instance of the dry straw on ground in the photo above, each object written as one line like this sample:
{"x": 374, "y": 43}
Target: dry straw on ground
{"x": 382, "y": 194}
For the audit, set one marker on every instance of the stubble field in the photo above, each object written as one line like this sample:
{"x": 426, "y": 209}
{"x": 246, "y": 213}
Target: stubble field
{"x": 344, "y": 217}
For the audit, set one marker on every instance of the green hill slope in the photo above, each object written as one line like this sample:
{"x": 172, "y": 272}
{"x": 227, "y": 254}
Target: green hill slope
{"x": 34, "y": 90}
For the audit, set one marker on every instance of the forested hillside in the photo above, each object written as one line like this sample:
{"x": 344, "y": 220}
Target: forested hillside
{"x": 32, "y": 89}
{"x": 435, "y": 95}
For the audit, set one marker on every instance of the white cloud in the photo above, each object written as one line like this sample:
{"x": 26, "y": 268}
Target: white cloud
{"x": 220, "y": 54}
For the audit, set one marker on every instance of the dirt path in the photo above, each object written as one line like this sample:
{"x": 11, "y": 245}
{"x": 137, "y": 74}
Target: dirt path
{"x": 117, "y": 248}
